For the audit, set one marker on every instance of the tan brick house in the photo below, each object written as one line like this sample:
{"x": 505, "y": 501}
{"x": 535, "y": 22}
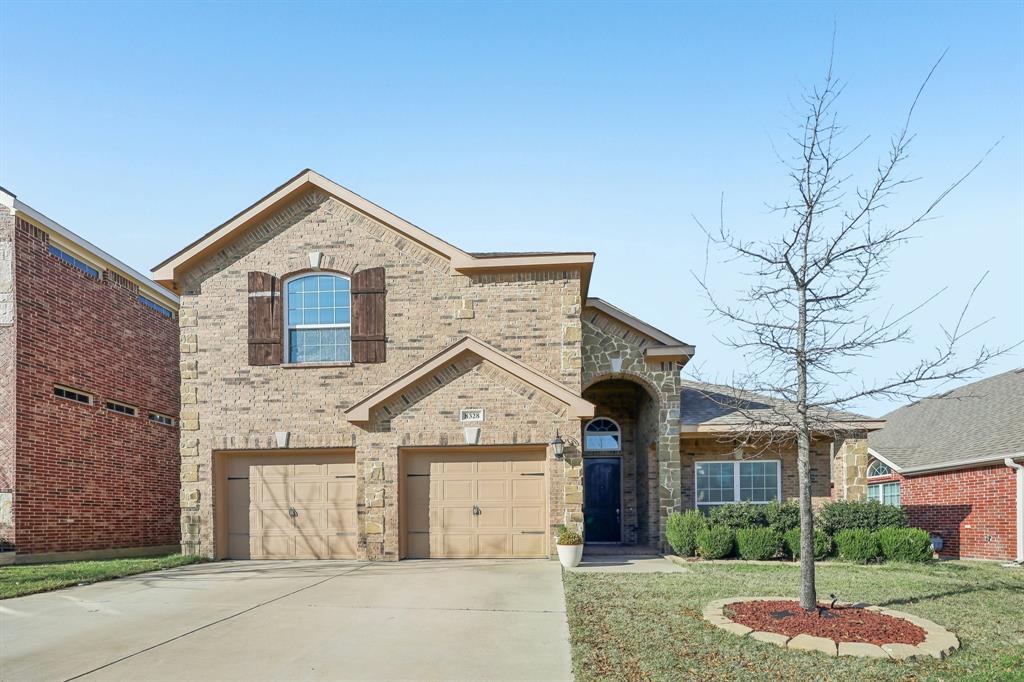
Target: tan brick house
{"x": 354, "y": 387}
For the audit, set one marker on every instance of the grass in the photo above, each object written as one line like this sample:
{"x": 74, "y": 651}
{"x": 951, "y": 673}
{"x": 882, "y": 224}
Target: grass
{"x": 649, "y": 626}
{"x": 17, "y": 581}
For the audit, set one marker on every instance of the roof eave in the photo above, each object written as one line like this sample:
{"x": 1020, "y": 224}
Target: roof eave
{"x": 959, "y": 464}
{"x": 740, "y": 427}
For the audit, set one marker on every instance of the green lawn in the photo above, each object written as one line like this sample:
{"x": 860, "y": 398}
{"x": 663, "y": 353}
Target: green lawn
{"x": 16, "y": 581}
{"x": 649, "y": 626}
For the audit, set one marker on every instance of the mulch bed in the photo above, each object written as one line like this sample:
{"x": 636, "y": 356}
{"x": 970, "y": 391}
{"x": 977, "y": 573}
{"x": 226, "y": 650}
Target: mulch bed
{"x": 843, "y": 624}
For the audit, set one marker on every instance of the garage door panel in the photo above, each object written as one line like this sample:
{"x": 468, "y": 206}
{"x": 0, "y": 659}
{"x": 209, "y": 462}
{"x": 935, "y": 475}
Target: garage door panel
{"x": 528, "y": 517}
{"x": 504, "y": 487}
{"x": 341, "y": 491}
{"x": 268, "y": 492}
{"x": 273, "y": 521}
{"x": 342, "y": 520}
{"x": 494, "y": 545}
{"x": 457, "y": 489}
{"x": 316, "y": 471}
{"x": 310, "y": 547}
{"x": 309, "y": 491}
{"x": 528, "y": 489}
{"x": 489, "y": 490}
{"x": 342, "y": 545}
{"x": 310, "y": 520}
{"x": 527, "y": 545}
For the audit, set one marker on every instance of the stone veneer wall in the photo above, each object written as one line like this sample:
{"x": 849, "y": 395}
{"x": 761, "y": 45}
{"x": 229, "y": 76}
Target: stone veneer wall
{"x": 850, "y": 468}
{"x": 714, "y": 449}
{"x": 7, "y": 378}
{"x": 605, "y": 339}
{"x": 228, "y": 405}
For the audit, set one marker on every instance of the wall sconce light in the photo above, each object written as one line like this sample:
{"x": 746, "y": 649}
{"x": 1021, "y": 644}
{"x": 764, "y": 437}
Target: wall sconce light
{"x": 558, "y": 446}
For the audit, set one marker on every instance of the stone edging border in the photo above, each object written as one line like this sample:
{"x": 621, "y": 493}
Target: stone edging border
{"x": 938, "y": 643}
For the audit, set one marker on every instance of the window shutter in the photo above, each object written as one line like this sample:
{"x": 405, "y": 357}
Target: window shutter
{"x": 369, "y": 333}
{"x": 264, "y": 319}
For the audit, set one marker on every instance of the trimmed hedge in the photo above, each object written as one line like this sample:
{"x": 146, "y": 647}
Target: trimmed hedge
{"x": 858, "y": 545}
{"x": 840, "y": 515}
{"x": 822, "y": 543}
{"x": 681, "y": 531}
{"x": 758, "y": 544}
{"x": 716, "y": 542}
{"x": 904, "y": 544}
{"x": 783, "y": 517}
{"x": 738, "y": 515}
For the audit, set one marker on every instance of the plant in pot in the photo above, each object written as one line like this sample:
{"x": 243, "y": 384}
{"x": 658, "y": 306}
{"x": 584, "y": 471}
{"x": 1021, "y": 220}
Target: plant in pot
{"x": 570, "y": 547}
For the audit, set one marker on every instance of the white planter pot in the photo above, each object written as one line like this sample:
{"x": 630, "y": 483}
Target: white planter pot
{"x": 570, "y": 555}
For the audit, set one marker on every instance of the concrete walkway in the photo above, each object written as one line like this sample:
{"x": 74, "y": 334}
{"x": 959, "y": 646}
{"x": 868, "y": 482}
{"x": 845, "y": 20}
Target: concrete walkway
{"x": 328, "y": 620}
{"x": 602, "y": 563}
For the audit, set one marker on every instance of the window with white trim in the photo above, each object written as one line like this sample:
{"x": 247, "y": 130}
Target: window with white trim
{"x": 602, "y": 434}
{"x": 319, "y": 319}
{"x": 72, "y": 394}
{"x": 121, "y": 408}
{"x": 754, "y": 481}
{"x": 886, "y": 493}
{"x": 878, "y": 469}
{"x": 162, "y": 419}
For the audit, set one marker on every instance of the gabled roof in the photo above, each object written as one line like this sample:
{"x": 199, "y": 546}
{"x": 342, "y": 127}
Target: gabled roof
{"x": 712, "y": 408}
{"x": 462, "y": 261}
{"x": 976, "y": 423}
{"x": 666, "y": 348}
{"x": 578, "y": 407}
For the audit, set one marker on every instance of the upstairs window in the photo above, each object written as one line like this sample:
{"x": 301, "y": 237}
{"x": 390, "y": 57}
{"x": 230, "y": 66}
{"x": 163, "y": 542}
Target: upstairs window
{"x": 602, "y": 434}
{"x": 74, "y": 262}
{"x": 878, "y": 469}
{"x": 153, "y": 305}
{"x": 319, "y": 319}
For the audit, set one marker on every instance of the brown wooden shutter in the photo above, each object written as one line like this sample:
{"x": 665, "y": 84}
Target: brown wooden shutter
{"x": 264, "y": 319}
{"x": 369, "y": 326}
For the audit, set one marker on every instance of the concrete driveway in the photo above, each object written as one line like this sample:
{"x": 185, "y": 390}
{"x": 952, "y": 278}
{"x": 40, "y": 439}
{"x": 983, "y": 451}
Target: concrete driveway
{"x": 326, "y": 620}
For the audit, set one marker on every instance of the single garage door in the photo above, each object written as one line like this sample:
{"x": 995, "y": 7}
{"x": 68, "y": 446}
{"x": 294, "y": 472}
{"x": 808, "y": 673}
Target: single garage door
{"x": 291, "y": 506}
{"x": 474, "y": 505}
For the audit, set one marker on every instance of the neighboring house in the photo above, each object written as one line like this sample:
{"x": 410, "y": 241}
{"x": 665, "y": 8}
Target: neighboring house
{"x": 354, "y": 387}
{"x": 953, "y": 461}
{"x": 89, "y": 460}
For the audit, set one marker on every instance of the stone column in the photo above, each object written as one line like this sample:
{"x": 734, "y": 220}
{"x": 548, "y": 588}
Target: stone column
{"x": 851, "y": 466}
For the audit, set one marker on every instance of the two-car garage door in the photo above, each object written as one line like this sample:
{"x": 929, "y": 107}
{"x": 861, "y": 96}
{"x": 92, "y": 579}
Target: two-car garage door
{"x": 464, "y": 504}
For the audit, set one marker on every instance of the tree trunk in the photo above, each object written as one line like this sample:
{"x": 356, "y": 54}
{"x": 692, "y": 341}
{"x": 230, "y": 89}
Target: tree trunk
{"x": 808, "y": 596}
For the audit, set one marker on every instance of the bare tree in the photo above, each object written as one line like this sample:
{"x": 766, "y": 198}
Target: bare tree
{"x": 806, "y": 318}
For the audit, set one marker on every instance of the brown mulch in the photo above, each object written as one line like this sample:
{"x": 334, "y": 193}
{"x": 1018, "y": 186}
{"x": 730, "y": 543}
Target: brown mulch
{"x": 842, "y": 624}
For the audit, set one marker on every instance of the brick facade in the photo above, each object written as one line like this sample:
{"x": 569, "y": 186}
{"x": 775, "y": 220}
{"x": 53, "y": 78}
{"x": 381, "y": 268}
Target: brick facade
{"x": 973, "y": 510}
{"x": 85, "y": 478}
{"x": 229, "y": 405}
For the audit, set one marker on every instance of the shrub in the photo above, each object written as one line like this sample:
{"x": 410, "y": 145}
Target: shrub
{"x": 842, "y": 515}
{"x": 858, "y": 545}
{"x": 738, "y": 515}
{"x": 758, "y": 544}
{"x": 716, "y": 542}
{"x": 568, "y": 536}
{"x": 782, "y": 516}
{"x": 822, "y": 543}
{"x": 681, "y": 531}
{"x": 904, "y": 544}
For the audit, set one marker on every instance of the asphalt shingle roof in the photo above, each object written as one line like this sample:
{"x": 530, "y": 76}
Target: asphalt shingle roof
{"x": 711, "y": 404}
{"x": 980, "y": 420}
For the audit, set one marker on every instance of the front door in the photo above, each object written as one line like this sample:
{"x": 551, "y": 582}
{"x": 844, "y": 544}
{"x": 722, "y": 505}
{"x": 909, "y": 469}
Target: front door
{"x": 602, "y": 501}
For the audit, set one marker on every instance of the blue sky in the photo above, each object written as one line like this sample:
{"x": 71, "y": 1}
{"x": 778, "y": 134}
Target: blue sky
{"x": 503, "y": 126}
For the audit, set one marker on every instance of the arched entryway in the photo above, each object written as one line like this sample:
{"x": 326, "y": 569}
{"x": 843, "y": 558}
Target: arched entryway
{"x": 620, "y": 465}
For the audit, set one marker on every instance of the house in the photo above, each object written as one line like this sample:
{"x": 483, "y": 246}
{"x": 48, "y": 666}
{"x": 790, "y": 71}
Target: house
{"x": 89, "y": 460}
{"x": 953, "y": 461}
{"x": 355, "y": 387}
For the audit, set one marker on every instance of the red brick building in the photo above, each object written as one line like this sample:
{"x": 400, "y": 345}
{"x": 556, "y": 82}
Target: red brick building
{"x": 954, "y": 462}
{"x": 89, "y": 462}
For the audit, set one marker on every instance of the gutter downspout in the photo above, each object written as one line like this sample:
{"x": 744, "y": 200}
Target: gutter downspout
{"x": 1020, "y": 507}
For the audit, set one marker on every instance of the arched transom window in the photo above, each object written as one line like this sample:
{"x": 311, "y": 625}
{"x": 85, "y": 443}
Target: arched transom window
{"x": 319, "y": 319}
{"x": 877, "y": 469}
{"x": 602, "y": 434}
